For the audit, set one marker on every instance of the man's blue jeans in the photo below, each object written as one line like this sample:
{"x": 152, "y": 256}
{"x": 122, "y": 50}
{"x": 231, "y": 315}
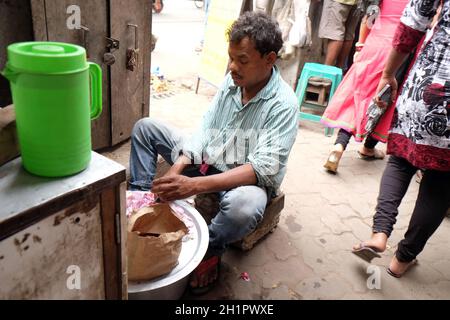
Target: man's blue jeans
{"x": 240, "y": 209}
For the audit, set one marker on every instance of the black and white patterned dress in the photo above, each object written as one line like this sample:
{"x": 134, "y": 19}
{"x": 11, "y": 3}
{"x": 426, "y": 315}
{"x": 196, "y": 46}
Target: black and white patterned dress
{"x": 421, "y": 127}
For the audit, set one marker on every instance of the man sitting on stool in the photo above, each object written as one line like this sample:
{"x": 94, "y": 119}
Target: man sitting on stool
{"x": 241, "y": 150}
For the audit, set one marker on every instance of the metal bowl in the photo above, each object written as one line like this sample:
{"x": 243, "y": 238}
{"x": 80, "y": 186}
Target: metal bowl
{"x": 194, "y": 246}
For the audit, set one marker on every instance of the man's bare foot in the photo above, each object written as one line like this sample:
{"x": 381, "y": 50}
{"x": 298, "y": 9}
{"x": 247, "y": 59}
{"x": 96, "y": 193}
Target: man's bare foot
{"x": 204, "y": 279}
{"x": 397, "y": 269}
{"x": 205, "y": 275}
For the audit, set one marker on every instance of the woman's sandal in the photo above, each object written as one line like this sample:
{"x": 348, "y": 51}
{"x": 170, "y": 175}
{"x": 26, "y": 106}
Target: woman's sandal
{"x": 399, "y": 275}
{"x": 333, "y": 161}
{"x": 367, "y": 253}
{"x": 377, "y": 155}
{"x": 205, "y": 268}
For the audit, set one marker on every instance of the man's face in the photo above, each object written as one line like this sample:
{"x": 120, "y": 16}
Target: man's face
{"x": 247, "y": 66}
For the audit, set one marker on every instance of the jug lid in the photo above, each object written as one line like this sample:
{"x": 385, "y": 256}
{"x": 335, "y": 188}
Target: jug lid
{"x": 47, "y": 57}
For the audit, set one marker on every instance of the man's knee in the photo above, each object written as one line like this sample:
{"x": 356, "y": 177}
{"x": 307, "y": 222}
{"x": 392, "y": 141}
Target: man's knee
{"x": 144, "y": 124}
{"x": 245, "y": 207}
{"x": 148, "y": 129}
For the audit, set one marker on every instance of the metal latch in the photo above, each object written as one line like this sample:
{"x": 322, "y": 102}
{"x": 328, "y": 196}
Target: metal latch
{"x": 133, "y": 54}
{"x": 112, "y": 44}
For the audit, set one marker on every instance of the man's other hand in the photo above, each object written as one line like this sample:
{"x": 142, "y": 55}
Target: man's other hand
{"x": 174, "y": 187}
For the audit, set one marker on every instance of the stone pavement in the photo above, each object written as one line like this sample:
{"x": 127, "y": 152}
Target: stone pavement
{"x": 308, "y": 255}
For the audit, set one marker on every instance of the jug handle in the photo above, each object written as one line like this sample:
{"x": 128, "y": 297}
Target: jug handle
{"x": 9, "y": 74}
{"x": 95, "y": 74}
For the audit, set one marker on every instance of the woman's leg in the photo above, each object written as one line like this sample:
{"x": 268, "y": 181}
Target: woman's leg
{"x": 370, "y": 142}
{"x": 432, "y": 203}
{"x": 368, "y": 150}
{"x": 394, "y": 184}
{"x": 343, "y": 138}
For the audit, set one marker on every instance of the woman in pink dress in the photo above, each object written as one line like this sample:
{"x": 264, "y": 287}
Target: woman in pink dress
{"x": 347, "y": 109}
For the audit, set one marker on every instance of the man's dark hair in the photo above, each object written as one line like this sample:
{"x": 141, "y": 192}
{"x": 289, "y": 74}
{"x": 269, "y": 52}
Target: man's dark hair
{"x": 258, "y": 27}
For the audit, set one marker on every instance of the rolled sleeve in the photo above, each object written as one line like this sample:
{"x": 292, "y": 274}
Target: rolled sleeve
{"x": 406, "y": 39}
{"x": 270, "y": 156}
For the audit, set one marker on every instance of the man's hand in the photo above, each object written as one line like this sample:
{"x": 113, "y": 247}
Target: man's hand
{"x": 178, "y": 167}
{"x": 175, "y": 187}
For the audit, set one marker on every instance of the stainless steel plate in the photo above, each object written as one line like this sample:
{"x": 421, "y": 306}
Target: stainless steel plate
{"x": 194, "y": 246}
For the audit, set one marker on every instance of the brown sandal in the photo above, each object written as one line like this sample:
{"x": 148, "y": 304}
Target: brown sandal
{"x": 366, "y": 252}
{"x": 377, "y": 155}
{"x": 333, "y": 161}
{"x": 399, "y": 275}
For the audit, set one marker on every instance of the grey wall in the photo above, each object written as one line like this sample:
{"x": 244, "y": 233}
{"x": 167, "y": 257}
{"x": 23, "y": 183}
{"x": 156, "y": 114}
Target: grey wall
{"x": 15, "y": 26}
{"x": 316, "y": 53}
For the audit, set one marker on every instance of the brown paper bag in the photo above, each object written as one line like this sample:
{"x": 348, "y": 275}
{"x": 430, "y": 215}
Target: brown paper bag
{"x": 154, "y": 242}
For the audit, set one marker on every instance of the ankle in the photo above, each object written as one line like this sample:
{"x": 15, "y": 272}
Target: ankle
{"x": 380, "y": 239}
{"x": 338, "y": 147}
{"x": 366, "y": 150}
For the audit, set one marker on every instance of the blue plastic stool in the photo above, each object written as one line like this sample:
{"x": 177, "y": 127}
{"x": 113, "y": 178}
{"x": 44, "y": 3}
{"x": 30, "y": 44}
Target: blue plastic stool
{"x": 321, "y": 71}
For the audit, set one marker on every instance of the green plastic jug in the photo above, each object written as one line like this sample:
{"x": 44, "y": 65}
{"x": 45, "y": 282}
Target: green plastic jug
{"x": 56, "y": 93}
